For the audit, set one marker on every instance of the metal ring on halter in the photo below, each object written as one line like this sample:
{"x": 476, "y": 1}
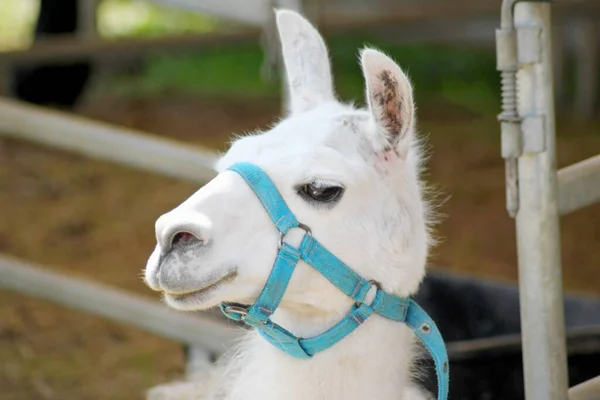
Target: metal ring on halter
{"x": 242, "y": 311}
{"x": 300, "y": 226}
{"x": 374, "y": 284}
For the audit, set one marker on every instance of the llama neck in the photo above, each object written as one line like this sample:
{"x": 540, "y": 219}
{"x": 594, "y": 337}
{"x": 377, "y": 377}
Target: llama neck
{"x": 372, "y": 362}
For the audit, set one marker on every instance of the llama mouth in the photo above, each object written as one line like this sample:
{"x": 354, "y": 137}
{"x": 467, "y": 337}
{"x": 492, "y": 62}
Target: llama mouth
{"x": 195, "y": 297}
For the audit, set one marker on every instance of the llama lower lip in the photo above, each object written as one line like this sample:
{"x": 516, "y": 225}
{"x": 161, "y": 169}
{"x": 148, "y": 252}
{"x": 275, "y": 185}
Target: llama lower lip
{"x": 200, "y": 294}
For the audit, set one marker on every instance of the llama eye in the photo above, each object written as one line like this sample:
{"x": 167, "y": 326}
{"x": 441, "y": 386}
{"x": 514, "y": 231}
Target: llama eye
{"x": 322, "y": 194}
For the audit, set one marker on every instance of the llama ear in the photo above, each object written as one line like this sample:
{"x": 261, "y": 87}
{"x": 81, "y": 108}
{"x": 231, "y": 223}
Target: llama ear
{"x": 390, "y": 99}
{"x": 306, "y": 62}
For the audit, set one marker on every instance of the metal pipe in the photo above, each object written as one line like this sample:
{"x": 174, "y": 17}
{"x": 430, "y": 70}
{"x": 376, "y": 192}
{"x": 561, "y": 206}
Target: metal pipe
{"x": 587, "y": 64}
{"x": 578, "y": 185}
{"x": 588, "y": 390}
{"x": 537, "y": 221}
{"x": 253, "y": 12}
{"x": 86, "y": 19}
{"x": 507, "y": 11}
{"x": 103, "y": 141}
{"x": 97, "y": 299}
{"x": 198, "y": 359}
{"x": 506, "y": 14}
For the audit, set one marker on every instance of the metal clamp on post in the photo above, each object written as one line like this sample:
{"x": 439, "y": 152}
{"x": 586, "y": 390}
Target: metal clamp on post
{"x": 529, "y": 52}
{"x": 509, "y": 56}
{"x": 508, "y": 64}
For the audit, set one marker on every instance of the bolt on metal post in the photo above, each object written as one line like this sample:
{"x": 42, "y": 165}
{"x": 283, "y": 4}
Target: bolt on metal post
{"x": 507, "y": 64}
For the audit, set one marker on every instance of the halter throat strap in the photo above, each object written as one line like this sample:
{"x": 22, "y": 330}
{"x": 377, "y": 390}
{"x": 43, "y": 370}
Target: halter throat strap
{"x": 257, "y": 315}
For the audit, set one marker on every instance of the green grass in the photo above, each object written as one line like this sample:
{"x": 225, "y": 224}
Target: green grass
{"x": 127, "y": 18}
{"x": 17, "y": 18}
{"x": 115, "y": 18}
{"x": 463, "y": 76}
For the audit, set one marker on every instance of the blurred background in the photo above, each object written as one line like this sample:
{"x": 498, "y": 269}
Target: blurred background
{"x": 199, "y": 76}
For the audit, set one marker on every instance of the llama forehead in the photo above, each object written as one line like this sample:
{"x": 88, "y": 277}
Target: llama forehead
{"x": 331, "y": 141}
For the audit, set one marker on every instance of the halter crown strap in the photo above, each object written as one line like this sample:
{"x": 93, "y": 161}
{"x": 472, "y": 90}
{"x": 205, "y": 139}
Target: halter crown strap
{"x": 396, "y": 308}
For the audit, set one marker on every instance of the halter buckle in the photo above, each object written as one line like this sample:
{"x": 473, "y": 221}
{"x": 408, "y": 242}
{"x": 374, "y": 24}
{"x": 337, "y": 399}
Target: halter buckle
{"x": 305, "y": 228}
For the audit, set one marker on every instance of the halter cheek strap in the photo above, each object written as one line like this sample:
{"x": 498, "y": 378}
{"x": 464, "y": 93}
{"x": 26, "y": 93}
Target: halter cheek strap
{"x": 258, "y": 315}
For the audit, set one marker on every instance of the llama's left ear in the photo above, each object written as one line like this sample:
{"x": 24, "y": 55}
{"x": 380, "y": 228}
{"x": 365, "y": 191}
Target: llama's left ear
{"x": 306, "y": 62}
{"x": 390, "y": 99}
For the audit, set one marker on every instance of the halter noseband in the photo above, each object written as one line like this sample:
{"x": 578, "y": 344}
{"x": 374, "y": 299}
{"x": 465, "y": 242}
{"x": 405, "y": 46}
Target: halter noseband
{"x": 339, "y": 274}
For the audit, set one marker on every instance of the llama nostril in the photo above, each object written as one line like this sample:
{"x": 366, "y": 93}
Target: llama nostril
{"x": 184, "y": 239}
{"x": 176, "y": 230}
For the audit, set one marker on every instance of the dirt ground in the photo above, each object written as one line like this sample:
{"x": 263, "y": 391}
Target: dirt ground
{"x": 95, "y": 220}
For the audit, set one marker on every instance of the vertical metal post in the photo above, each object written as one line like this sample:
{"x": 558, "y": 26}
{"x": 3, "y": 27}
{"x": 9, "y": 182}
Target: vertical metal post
{"x": 587, "y": 62}
{"x": 197, "y": 360}
{"x": 5, "y": 79}
{"x": 559, "y": 54}
{"x": 86, "y": 19}
{"x": 537, "y": 220}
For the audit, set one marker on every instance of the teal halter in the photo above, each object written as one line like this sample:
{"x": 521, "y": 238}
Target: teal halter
{"x": 354, "y": 286}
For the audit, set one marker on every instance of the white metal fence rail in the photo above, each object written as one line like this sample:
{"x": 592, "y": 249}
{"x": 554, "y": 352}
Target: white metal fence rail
{"x": 100, "y": 140}
{"x": 578, "y": 185}
{"x": 206, "y": 338}
{"x": 117, "y": 305}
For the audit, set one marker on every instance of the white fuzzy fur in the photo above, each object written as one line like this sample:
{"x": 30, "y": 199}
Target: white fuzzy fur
{"x": 379, "y": 228}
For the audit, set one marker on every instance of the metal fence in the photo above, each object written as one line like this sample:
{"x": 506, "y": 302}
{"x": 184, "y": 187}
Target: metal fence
{"x": 454, "y": 21}
{"x": 208, "y": 334}
{"x": 206, "y": 337}
{"x": 537, "y": 195}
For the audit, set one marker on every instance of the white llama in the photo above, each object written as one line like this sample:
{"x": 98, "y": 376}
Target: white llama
{"x": 352, "y": 176}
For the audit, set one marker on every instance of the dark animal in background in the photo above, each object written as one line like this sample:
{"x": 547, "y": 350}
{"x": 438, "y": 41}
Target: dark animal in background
{"x": 54, "y": 84}
{"x": 466, "y": 309}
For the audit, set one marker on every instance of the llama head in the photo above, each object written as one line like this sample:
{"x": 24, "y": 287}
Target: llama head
{"x": 351, "y": 175}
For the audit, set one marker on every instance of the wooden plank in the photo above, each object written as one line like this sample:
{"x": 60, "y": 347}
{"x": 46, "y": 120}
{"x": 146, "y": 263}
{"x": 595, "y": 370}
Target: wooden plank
{"x": 332, "y": 14}
{"x": 66, "y": 48}
{"x": 116, "y": 305}
{"x": 103, "y": 141}
{"x": 342, "y": 14}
